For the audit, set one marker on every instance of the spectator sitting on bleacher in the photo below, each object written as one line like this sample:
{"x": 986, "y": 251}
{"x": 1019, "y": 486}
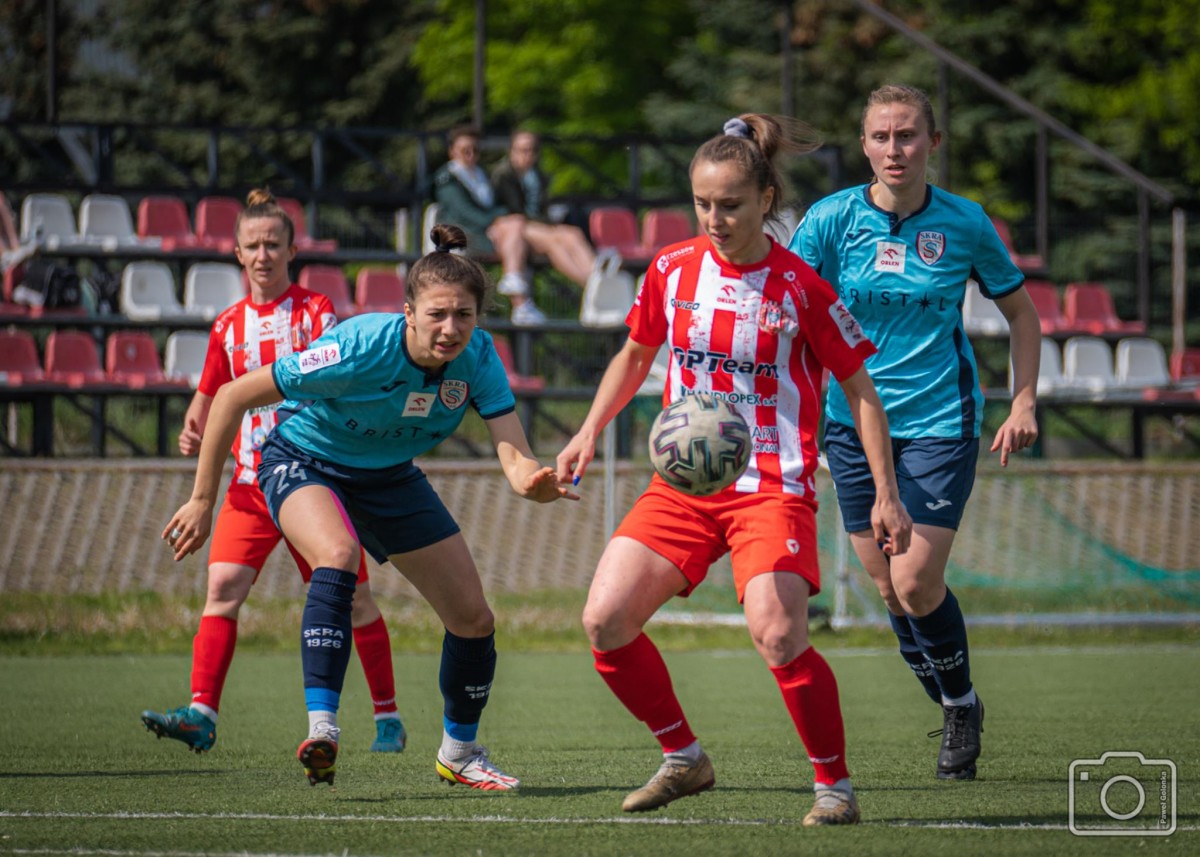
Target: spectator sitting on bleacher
{"x": 521, "y": 187}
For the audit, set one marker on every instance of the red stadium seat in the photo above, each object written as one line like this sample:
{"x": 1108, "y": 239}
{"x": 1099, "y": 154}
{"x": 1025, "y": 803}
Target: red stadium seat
{"x": 1029, "y": 263}
{"x": 1046, "y": 301}
{"x": 305, "y": 243}
{"x": 663, "y": 226}
{"x": 1185, "y": 365}
{"x": 616, "y": 227}
{"x": 19, "y": 363}
{"x": 331, "y": 282}
{"x": 166, "y": 217}
{"x": 379, "y": 290}
{"x": 518, "y": 382}
{"x": 216, "y": 222}
{"x": 131, "y": 358}
{"x": 1089, "y": 307}
{"x": 72, "y": 359}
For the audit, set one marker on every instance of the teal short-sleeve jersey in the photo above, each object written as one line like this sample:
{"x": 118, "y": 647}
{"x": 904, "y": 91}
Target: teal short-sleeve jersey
{"x": 904, "y": 281}
{"x": 355, "y": 397}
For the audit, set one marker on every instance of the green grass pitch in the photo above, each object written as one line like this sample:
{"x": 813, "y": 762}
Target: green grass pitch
{"x": 81, "y": 776}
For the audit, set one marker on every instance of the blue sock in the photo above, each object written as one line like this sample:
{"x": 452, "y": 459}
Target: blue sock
{"x": 942, "y": 636}
{"x": 326, "y": 638}
{"x": 914, "y": 657}
{"x": 468, "y": 666}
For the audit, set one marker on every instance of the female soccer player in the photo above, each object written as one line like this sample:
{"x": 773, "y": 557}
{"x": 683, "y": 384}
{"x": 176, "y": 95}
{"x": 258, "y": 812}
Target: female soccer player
{"x": 361, "y": 403}
{"x": 900, "y": 251}
{"x": 277, "y": 318}
{"x": 750, "y": 322}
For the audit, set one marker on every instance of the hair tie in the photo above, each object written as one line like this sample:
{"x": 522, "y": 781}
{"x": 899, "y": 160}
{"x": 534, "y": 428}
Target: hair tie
{"x": 442, "y": 248}
{"x": 453, "y": 251}
{"x": 737, "y": 127}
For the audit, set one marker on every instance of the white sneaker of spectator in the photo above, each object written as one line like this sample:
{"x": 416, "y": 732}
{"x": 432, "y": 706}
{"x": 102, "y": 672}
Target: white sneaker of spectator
{"x": 527, "y": 314}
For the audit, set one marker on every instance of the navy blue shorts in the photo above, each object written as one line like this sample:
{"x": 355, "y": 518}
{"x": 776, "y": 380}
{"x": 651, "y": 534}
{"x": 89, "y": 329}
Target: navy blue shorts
{"x": 935, "y": 475}
{"x": 394, "y": 509}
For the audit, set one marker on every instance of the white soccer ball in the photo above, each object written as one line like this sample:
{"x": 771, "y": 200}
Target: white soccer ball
{"x": 700, "y": 445}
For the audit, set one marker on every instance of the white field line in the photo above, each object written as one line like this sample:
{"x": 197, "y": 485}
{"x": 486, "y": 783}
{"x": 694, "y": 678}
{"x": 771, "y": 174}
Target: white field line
{"x": 475, "y": 819}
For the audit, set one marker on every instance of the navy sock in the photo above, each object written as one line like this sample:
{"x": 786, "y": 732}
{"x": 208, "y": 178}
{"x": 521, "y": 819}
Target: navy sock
{"x": 942, "y": 636}
{"x": 914, "y": 657}
{"x": 326, "y": 637}
{"x": 468, "y": 666}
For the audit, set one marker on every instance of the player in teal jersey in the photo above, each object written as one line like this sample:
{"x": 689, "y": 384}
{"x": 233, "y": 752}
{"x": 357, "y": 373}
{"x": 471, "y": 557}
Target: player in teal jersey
{"x": 361, "y": 402}
{"x": 900, "y": 251}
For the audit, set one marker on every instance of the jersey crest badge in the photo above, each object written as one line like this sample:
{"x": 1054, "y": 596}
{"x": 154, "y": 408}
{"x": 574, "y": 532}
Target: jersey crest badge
{"x": 774, "y": 319}
{"x": 453, "y": 393}
{"x": 930, "y": 246}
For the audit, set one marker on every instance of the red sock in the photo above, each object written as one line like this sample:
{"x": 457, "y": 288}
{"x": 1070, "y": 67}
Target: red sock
{"x": 212, "y": 653}
{"x": 375, "y": 651}
{"x": 638, "y": 676}
{"x": 810, "y": 693}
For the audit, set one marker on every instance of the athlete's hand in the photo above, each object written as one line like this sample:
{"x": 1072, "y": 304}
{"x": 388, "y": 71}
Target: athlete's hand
{"x": 573, "y": 461}
{"x": 1019, "y": 431}
{"x": 190, "y": 437}
{"x": 188, "y": 528}
{"x": 544, "y": 486}
{"x": 892, "y": 524}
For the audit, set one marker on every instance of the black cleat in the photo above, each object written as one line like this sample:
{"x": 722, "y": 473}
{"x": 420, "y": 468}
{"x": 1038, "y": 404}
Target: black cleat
{"x": 961, "y": 727}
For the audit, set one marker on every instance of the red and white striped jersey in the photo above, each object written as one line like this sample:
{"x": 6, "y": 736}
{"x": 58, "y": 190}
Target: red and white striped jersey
{"x": 759, "y": 336}
{"x": 246, "y": 336}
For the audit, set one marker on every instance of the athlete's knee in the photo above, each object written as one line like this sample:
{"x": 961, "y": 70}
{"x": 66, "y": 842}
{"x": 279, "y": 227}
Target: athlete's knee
{"x": 363, "y": 610}
{"x": 471, "y": 621}
{"x": 780, "y": 642}
{"x": 228, "y": 587}
{"x": 919, "y": 596}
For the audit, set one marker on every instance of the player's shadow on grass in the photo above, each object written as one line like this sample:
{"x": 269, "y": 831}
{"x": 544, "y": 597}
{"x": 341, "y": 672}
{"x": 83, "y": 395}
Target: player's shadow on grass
{"x": 68, "y": 775}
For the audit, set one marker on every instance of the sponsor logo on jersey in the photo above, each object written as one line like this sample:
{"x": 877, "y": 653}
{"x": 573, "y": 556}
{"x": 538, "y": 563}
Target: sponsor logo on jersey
{"x": 793, "y": 547}
{"x": 453, "y": 393}
{"x": 889, "y": 256}
{"x": 664, "y": 262}
{"x": 727, "y": 295}
{"x": 940, "y": 504}
{"x": 418, "y": 405}
{"x": 690, "y": 305}
{"x": 754, "y": 400}
{"x": 717, "y": 361}
{"x": 847, "y": 324}
{"x": 930, "y": 246}
{"x": 316, "y": 358}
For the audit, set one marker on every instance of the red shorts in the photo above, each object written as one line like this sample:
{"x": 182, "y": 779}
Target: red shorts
{"x": 244, "y": 533}
{"x": 763, "y": 532}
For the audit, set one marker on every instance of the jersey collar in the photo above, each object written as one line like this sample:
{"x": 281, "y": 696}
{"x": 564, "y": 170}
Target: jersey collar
{"x": 894, "y": 221}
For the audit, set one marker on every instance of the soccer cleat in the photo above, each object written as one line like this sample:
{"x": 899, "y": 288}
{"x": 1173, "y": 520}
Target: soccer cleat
{"x": 318, "y": 753}
{"x": 476, "y": 771}
{"x": 183, "y": 724}
{"x": 832, "y": 806}
{"x": 961, "y": 725}
{"x": 390, "y": 736}
{"x": 675, "y": 779}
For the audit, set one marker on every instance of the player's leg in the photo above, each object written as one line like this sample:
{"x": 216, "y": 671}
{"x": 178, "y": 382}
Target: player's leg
{"x": 313, "y": 520}
{"x": 445, "y": 575}
{"x": 374, "y": 648}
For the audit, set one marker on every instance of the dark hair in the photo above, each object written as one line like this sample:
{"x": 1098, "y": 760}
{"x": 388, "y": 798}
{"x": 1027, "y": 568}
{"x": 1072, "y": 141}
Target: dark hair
{"x": 260, "y": 202}
{"x": 752, "y": 140}
{"x": 897, "y": 93}
{"x": 461, "y": 131}
{"x": 447, "y": 264}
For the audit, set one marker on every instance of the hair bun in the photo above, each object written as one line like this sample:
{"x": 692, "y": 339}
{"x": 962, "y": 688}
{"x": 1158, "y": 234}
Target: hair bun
{"x": 447, "y": 237}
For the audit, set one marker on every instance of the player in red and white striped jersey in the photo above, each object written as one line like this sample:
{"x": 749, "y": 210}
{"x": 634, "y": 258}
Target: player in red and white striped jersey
{"x": 748, "y": 321}
{"x": 277, "y": 318}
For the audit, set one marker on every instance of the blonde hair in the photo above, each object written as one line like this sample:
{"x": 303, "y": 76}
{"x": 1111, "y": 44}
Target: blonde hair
{"x": 898, "y": 93}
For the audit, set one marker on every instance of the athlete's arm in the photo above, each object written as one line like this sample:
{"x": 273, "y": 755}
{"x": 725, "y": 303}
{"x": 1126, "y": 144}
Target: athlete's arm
{"x": 1020, "y": 430}
{"x": 621, "y": 380}
{"x": 889, "y": 518}
{"x": 193, "y": 521}
{"x": 193, "y": 424}
{"x": 525, "y": 474}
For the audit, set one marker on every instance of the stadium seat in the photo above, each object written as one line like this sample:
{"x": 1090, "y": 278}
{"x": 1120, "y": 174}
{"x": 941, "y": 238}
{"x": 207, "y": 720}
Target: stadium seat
{"x": 1088, "y": 364}
{"x": 1089, "y": 307}
{"x": 50, "y": 216}
{"x": 331, "y": 282}
{"x": 131, "y": 358}
{"x": 608, "y": 294}
{"x": 166, "y": 218}
{"x": 1046, "y": 301}
{"x": 305, "y": 243}
{"x": 19, "y": 362}
{"x": 183, "y": 356}
{"x": 616, "y": 227}
{"x": 379, "y": 290}
{"x": 148, "y": 292}
{"x": 1142, "y": 362}
{"x": 73, "y": 359}
{"x": 1050, "y": 371}
{"x": 1185, "y": 366}
{"x": 216, "y": 222}
{"x": 663, "y": 226}
{"x": 980, "y": 314}
{"x": 518, "y": 382}
{"x": 104, "y": 219}
{"x": 1029, "y": 263}
{"x": 210, "y": 287}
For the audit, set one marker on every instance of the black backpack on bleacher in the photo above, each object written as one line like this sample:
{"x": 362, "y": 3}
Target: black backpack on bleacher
{"x": 57, "y": 285}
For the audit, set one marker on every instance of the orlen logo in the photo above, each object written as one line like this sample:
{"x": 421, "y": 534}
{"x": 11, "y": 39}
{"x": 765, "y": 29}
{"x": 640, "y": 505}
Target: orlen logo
{"x": 727, "y": 295}
{"x": 664, "y": 262}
